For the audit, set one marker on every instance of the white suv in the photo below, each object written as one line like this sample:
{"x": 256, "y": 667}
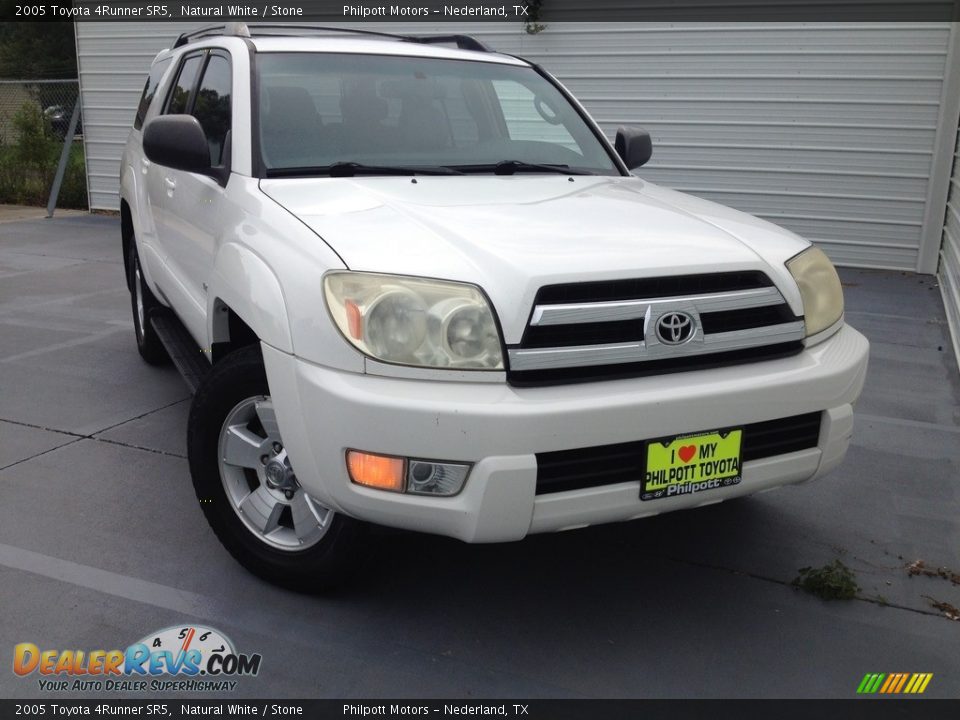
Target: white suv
{"x": 414, "y": 285}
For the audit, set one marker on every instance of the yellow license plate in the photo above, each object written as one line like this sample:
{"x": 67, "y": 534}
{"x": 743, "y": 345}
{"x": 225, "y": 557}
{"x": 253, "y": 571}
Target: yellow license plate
{"x": 691, "y": 464}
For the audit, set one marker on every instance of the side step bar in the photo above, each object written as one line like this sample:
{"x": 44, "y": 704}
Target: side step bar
{"x": 181, "y": 348}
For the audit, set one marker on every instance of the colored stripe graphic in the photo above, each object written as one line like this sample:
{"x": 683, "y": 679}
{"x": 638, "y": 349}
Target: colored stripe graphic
{"x": 891, "y": 680}
{"x": 903, "y": 679}
{"x": 914, "y": 682}
{"x": 894, "y": 683}
{"x": 868, "y": 684}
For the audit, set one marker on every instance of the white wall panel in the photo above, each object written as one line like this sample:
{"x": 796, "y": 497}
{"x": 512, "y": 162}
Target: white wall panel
{"x": 950, "y": 254}
{"x": 114, "y": 59}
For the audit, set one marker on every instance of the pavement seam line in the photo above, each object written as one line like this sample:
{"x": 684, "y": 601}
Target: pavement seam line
{"x": 66, "y": 300}
{"x": 775, "y": 581}
{"x": 137, "y": 447}
{"x": 86, "y": 339}
{"x": 111, "y": 583}
{"x": 64, "y": 257}
{"x": 39, "y": 454}
{"x": 918, "y": 424}
{"x": 42, "y": 427}
{"x": 93, "y": 436}
{"x": 138, "y": 417}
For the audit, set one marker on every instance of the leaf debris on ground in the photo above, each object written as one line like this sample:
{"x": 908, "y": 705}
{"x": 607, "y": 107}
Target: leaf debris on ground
{"x": 948, "y": 610}
{"x": 833, "y": 581}
{"x": 919, "y": 567}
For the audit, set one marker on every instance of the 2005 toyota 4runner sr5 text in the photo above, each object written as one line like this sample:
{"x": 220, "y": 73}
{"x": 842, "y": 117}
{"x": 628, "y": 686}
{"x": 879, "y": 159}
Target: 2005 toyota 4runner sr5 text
{"x": 412, "y": 284}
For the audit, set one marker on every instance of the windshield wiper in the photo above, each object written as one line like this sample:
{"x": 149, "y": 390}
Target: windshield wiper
{"x": 511, "y": 167}
{"x": 350, "y": 169}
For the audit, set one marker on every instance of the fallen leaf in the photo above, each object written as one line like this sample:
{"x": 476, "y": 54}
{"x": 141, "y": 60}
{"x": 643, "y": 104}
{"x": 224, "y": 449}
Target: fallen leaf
{"x": 949, "y": 611}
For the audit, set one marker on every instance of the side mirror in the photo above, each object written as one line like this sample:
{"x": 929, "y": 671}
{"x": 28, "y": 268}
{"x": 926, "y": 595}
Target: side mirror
{"x": 634, "y": 146}
{"x": 178, "y": 142}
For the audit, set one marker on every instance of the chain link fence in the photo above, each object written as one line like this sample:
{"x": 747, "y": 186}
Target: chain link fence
{"x": 35, "y": 141}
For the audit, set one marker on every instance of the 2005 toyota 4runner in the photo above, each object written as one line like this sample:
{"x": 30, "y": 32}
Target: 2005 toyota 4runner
{"x": 414, "y": 285}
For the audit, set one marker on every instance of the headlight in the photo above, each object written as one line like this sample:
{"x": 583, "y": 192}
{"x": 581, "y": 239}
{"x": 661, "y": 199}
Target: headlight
{"x": 819, "y": 287}
{"x": 410, "y": 321}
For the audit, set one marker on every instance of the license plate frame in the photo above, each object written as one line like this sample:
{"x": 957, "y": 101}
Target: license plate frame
{"x": 715, "y": 461}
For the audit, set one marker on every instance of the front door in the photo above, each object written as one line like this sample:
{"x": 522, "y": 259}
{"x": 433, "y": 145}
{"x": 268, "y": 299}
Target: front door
{"x": 193, "y": 202}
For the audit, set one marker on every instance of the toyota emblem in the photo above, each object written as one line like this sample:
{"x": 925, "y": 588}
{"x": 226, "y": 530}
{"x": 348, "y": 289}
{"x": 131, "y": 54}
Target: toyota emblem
{"x": 675, "y": 328}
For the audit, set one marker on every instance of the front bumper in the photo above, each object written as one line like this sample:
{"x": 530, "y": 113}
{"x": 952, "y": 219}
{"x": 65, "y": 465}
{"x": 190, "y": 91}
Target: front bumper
{"x": 323, "y": 412}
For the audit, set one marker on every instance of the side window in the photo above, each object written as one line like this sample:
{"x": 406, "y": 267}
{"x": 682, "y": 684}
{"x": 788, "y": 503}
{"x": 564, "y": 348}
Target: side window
{"x": 149, "y": 90}
{"x": 212, "y": 105}
{"x": 177, "y": 104}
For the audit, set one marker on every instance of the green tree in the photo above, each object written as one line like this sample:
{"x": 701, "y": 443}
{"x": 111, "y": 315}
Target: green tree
{"x": 36, "y": 50}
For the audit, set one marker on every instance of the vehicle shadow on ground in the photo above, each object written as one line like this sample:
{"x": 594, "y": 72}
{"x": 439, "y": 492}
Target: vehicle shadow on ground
{"x": 617, "y": 561}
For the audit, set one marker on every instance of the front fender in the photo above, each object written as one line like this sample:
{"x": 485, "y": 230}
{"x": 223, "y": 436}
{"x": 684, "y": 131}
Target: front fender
{"x": 242, "y": 280}
{"x": 144, "y": 235}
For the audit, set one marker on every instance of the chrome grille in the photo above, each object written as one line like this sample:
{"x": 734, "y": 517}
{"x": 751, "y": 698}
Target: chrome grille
{"x": 589, "y": 331}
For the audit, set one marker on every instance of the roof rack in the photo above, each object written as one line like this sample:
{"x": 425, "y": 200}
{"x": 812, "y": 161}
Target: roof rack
{"x": 463, "y": 42}
{"x": 239, "y": 29}
{"x": 236, "y": 29}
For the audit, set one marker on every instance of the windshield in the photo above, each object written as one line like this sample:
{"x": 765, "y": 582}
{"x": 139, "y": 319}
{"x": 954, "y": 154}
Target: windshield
{"x": 386, "y": 111}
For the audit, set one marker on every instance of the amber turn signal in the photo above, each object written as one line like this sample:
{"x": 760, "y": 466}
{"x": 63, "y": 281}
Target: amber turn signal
{"x": 377, "y": 471}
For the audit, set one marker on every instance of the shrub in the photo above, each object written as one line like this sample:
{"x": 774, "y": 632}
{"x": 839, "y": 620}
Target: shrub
{"x": 28, "y": 168}
{"x": 36, "y": 146}
{"x": 73, "y": 191}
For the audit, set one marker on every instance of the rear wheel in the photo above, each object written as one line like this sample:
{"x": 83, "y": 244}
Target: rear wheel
{"x": 143, "y": 302}
{"x": 248, "y": 489}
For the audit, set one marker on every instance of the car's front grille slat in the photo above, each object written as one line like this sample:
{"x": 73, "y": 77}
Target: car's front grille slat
{"x": 745, "y": 318}
{"x": 625, "y": 352}
{"x": 654, "y": 287}
{"x": 620, "y": 371}
{"x": 591, "y": 312}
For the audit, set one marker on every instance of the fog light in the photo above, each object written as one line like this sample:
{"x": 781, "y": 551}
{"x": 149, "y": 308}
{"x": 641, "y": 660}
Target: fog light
{"x": 434, "y": 478}
{"x": 377, "y": 471}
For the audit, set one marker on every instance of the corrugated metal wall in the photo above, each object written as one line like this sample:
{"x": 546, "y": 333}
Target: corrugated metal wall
{"x": 827, "y": 129}
{"x": 950, "y": 253}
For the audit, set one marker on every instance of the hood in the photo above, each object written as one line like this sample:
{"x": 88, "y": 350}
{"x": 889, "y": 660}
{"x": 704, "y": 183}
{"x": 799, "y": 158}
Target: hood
{"x": 513, "y": 234}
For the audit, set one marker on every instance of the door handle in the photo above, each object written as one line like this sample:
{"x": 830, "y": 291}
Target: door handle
{"x": 171, "y": 185}
{"x": 144, "y": 165}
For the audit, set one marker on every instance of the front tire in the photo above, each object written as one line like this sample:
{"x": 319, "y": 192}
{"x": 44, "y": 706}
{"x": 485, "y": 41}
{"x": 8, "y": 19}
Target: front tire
{"x": 248, "y": 490}
{"x": 143, "y": 302}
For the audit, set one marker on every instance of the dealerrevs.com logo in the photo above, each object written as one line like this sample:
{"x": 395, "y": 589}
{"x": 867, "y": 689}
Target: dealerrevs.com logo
{"x": 179, "y": 658}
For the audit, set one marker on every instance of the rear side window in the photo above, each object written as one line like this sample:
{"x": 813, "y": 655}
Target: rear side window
{"x": 212, "y": 105}
{"x": 180, "y": 96}
{"x": 149, "y": 90}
